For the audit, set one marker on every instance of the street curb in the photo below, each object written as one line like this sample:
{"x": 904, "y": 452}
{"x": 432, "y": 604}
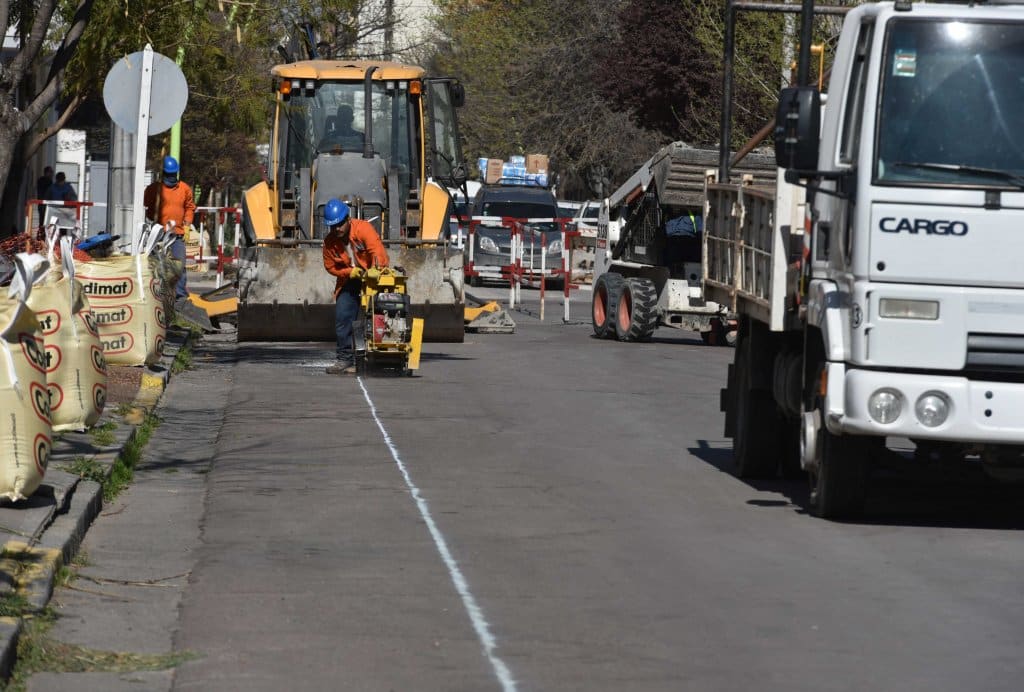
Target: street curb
{"x": 32, "y": 569}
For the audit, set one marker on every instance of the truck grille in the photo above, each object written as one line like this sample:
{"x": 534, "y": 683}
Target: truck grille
{"x": 995, "y": 353}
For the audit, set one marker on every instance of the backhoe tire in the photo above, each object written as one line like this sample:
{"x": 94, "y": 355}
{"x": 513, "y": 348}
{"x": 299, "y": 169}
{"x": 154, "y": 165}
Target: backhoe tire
{"x": 636, "y": 317}
{"x": 604, "y": 301}
{"x": 756, "y": 438}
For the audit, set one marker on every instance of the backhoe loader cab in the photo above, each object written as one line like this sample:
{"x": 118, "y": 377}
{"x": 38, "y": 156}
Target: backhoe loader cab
{"x": 384, "y": 138}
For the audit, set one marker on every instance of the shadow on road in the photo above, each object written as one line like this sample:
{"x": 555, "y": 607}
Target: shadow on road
{"x": 902, "y": 491}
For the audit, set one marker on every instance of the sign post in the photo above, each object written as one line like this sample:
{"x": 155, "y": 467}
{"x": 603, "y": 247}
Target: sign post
{"x": 141, "y": 133}
{"x": 127, "y": 95}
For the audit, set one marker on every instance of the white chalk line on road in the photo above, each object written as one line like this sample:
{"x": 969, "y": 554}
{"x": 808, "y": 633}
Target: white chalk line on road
{"x": 476, "y": 615}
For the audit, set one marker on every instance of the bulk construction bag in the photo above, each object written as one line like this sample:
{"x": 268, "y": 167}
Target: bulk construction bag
{"x": 125, "y": 294}
{"x": 25, "y": 429}
{"x": 76, "y": 370}
{"x": 169, "y": 270}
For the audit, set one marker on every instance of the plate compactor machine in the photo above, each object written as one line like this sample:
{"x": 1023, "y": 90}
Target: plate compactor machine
{"x": 391, "y": 336}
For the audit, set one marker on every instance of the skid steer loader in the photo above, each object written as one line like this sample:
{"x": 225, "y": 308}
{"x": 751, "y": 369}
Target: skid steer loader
{"x": 384, "y": 138}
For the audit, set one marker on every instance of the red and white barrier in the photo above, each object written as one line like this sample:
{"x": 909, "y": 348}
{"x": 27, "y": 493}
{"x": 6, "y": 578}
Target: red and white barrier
{"x": 227, "y": 226}
{"x": 525, "y": 263}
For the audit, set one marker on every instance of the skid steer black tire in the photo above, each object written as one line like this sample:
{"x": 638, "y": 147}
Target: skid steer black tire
{"x": 636, "y": 317}
{"x": 604, "y": 301}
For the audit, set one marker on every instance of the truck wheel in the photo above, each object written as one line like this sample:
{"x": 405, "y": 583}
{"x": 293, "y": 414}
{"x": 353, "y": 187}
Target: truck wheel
{"x": 839, "y": 485}
{"x": 604, "y": 301}
{"x": 636, "y": 316}
{"x": 755, "y": 442}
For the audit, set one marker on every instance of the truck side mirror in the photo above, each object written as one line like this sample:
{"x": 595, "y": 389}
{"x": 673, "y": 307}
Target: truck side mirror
{"x": 458, "y": 95}
{"x": 797, "y": 126}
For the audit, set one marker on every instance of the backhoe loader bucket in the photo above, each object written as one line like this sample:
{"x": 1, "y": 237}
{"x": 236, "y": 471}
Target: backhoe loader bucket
{"x": 436, "y": 288}
{"x": 286, "y": 295}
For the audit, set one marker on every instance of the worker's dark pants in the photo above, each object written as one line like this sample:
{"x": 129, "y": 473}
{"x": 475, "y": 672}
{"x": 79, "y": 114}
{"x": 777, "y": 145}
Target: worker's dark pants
{"x": 346, "y": 310}
{"x": 178, "y": 253}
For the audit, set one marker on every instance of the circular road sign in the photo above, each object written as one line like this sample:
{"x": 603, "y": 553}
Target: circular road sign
{"x": 121, "y": 93}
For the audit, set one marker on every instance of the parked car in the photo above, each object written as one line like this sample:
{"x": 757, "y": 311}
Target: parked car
{"x": 586, "y": 218}
{"x": 493, "y": 242}
{"x": 567, "y": 209}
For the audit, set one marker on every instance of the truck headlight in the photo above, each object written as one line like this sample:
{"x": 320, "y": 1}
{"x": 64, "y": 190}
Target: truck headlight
{"x": 488, "y": 244}
{"x": 885, "y": 405}
{"x": 898, "y": 308}
{"x": 555, "y": 247}
{"x": 932, "y": 409}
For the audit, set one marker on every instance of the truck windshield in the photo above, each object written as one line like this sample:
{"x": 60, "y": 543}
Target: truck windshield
{"x": 951, "y": 98}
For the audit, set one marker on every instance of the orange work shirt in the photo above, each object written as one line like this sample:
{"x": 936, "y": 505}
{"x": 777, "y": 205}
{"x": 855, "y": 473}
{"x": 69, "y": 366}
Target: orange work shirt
{"x": 366, "y": 246}
{"x": 176, "y": 204}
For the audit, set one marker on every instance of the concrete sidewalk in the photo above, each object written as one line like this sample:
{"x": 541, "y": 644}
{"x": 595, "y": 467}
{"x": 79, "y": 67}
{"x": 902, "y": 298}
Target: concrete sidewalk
{"x": 45, "y": 531}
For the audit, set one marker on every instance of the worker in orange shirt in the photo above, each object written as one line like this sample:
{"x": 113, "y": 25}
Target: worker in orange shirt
{"x": 350, "y": 247}
{"x": 170, "y": 200}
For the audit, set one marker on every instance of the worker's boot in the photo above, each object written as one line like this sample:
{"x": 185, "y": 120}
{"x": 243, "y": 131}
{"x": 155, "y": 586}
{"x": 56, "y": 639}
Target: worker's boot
{"x": 342, "y": 367}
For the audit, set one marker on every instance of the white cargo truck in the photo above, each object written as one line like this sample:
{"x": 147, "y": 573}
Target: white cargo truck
{"x": 888, "y": 302}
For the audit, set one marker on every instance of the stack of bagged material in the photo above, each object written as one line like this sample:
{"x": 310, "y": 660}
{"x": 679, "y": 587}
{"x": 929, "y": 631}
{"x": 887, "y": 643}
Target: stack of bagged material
{"x": 25, "y": 428}
{"x": 75, "y": 367}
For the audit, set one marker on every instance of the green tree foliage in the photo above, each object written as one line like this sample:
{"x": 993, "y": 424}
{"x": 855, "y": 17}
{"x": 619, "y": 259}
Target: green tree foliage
{"x": 600, "y": 84}
{"x": 27, "y": 88}
{"x": 227, "y": 48}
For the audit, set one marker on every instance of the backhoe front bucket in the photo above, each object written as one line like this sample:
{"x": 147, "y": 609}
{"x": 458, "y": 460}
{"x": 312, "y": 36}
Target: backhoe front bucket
{"x": 435, "y": 287}
{"x": 286, "y": 295}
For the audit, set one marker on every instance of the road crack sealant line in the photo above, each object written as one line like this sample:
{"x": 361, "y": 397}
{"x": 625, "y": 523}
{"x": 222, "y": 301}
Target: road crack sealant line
{"x": 476, "y": 616}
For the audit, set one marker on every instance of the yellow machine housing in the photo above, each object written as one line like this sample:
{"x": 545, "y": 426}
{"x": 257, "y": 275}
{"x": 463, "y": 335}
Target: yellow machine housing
{"x": 382, "y": 137}
{"x": 391, "y": 335}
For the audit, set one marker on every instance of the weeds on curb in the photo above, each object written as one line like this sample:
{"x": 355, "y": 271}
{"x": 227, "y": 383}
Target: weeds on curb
{"x": 89, "y": 469}
{"x": 182, "y": 359}
{"x": 40, "y": 653}
{"x": 103, "y": 435}
{"x": 123, "y": 472}
{"x": 13, "y": 605}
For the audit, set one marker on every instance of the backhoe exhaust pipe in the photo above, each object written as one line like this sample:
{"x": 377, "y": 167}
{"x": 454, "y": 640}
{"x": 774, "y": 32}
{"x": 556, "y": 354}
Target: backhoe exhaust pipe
{"x": 368, "y": 113}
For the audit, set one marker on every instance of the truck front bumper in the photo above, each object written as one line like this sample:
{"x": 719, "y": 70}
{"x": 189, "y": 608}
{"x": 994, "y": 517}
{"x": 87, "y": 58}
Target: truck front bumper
{"x": 979, "y": 411}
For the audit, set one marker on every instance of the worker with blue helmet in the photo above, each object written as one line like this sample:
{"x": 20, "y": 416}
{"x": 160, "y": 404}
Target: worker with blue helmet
{"x": 351, "y": 246}
{"x": 169, "y": 202}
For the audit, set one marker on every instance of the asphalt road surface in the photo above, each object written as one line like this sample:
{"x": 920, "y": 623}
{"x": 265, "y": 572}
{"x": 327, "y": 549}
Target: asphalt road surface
{"x": 536, "y": 511}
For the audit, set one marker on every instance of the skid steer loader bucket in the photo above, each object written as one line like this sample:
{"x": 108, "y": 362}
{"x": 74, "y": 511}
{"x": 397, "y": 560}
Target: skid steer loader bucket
{"x": 286, "y": 295}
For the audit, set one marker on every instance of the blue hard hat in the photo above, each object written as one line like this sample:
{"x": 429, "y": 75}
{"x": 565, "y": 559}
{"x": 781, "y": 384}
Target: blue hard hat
{"x": 335, "y": 212}
{"x": 170, "y": 165}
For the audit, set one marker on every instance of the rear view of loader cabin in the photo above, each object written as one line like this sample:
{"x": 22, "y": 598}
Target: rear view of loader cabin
{"x": 384, "y": 138}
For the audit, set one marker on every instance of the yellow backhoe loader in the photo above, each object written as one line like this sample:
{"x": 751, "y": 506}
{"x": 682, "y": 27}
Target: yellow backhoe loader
{"x": 382, "y": 137}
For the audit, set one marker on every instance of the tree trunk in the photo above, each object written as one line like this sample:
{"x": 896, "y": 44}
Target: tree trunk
{"x": 11, "y": 212}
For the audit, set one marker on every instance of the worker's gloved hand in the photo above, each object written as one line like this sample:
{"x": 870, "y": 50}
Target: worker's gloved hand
{"x": 357, "y": 273}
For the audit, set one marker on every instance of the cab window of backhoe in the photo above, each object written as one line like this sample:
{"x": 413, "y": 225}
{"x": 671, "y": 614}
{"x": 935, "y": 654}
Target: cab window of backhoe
{"x": 295, "y": 139}
{"x": 444, "y": 131}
